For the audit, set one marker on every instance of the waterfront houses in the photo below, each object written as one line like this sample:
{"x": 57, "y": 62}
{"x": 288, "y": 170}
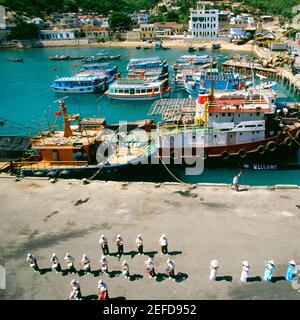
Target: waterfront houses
{"x": 204, "y": 23}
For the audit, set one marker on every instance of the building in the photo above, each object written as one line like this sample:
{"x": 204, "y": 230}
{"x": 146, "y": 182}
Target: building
{"x": 140, "y": 17}
{"x": 204, "y": 23}
{"x": 56, "y": 34}
{"x": 147, "y": 31}
{"x": 95, "y": 32}
{"x": 134, "y": 35}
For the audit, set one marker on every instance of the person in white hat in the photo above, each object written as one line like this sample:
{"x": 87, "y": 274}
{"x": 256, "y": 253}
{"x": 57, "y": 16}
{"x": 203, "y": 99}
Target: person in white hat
{"x": 235, "y": 182}
{"x": 163, "y": 241}
{"x": 140, "y": 244}
{"x": 120, "y": 245}
{"x": 150, "y": 268}
{"x": 291, "y": 271}
{"x": 104, "y": 244}
{"x": 125, "y": 269}
{"x": 104, "y": 264}
{"x": 214, "y": 267}
{"x": 32, "y": 260}
{"x": 170, "y": 269}
{"x": 70, "y": 263}
{"x": 86, "y": 263}
{"x": 102, "y": 290}
{"x": 245, "y": 271}
{"x": 269, "y": 268}
{"x": 75, "y": 290}
{"x": 55, "y": 265}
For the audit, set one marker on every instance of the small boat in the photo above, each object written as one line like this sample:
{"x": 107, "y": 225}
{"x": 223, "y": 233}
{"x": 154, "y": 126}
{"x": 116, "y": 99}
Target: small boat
{"x": 138, "y": 47}
{"x": 146, "y": 48}
{"x": 166, "y": 48}
{"x": 15, "y": 59}
{"x": 158, "y": 45}
{"x": 77, "y": 58}
{"x": 191, "y": 49}
{"x": 59, "y": 58}
{"x": 102, "y": 58}
{"x": 221, "y": 57}
{"x": 203, "y": 48}
{"x": 215, "y": 46}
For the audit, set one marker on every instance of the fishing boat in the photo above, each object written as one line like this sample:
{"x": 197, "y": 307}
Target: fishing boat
{"x": 158, "y": 45}
{"x": 82, "y": 82}
{"x": 166, "y": 48}
{"x": 215, "y": 46}
{"x": 16, "y": 59}
{"x": 200, "y": 83}
{"x": 147, "y": 63}
{"x": 76, "y": 57}
{"x": 221, "y": 57}
{"x": 59, "y": 57}
{"x": 230, "y": 129}
{"x": 102, "y": 58}
{"x": 192, "y": 49}
{"x": 147, "y": 48}
{"x": 138, "y": 89}
{"x": 105, "y": 68}
{"x": 188, "y": 71}
{"x": 138, "y": 47}
{"x": 193, "y": 60}
{"x": 202, "y": 48}
{"x": 82, "y": 150}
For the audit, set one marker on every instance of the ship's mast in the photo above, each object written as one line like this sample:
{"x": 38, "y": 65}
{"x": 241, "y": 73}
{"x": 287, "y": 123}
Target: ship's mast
{"x": 67, "y": 128}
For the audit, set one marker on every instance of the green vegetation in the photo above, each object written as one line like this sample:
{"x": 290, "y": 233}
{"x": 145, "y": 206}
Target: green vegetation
{"x": 119, "y": 21}
{"x": 24, "y": 31}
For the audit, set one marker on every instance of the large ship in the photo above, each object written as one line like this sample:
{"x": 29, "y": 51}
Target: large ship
{"x": 228, "y": 128}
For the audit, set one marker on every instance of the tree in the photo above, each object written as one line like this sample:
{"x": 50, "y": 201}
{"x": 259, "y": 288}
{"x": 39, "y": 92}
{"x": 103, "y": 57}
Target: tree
{"x": 24, "y": 31}
{"x": 119, "y": 21}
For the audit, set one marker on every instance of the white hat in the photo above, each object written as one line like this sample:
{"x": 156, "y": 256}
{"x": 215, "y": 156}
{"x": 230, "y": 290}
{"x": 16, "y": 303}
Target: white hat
{"x": 84, "y": 255}
{"x": 53, "y": 254}
{"x": 100, "y": 281}
{"x": 292, "y": 262}
{"x": 73, "y": 281}
{"x": 163, "y": 235}
{"x": 271, "y": 262}
{"x": 118, "y": 236}
{"x": 214, "y": 263}
{"x": 169, "y": 260}
{"x": 103, "y": 256}
{"x": 245, "y": 263}
{"x": 124, "y": 262}
{"x": 67, "y": 254}
{"x": 102, "y": 236}
{"x": 29, "y": 255}
{"x": 139, "y": 236}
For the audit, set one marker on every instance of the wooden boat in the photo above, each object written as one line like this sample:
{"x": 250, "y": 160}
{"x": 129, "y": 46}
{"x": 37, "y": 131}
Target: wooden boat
{"x": 203, "y": 48}
{"x": 147, "y": 48}
{"x": 102, "y": 58}
{"x": 138, "y": 47}
{"x": 215, "y": 46}
{"x": 15, "y": 59}
{"x": 166, "y": 48}
{"x": 59, "y": 57}
{"x": 191, "y": 49}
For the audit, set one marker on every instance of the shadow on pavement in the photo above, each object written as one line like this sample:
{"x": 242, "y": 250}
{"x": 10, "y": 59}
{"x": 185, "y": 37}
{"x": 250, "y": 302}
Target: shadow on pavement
{"x": 45, "y": 270}
{"x": 181, "y": 277}
{"x": 224, "y": 278}
{"x": 254, "y": 279}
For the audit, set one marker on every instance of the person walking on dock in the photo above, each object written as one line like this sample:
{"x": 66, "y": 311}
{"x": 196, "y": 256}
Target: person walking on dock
{"x": 214, "y": 267}
{"x": 269, "y": 268}
{"x": 102, "y": 290}
{"x": 235, "y": 182}
{"x": 140, "y": 244}
{"x": 104, "y": 244}
{"x": 245, "y": 271}
{"x": 75, "y": 290}
{"x": 150, "y": 268}
{"x": 86, "y": 263}
{"x": 70, "y": 263}
{"x": 163, "y": 241}
{"x": 104, "y": 264}
{"x": 125, "y": 269}
{"x": 120, "y": 245}
{"x": 32, "y": 260}
{"x": 55, "y": 265}
{"x": 170, "y": 269}
{"x": 291, "y": 271}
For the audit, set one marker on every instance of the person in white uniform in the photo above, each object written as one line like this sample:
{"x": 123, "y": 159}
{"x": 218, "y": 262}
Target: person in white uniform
{"x": 163, "y": 241}
{"x": 104, "y": 244}
{"x": 86, "y": 263}
{"x": 32, "y": 260}
{"x": 150, "y": 268}
{"x": 104, "y": 264}
{"x": 140, "y": 244}
{"x": 75, "y": 290}
{"x": 70, "y": 263}
{"x": 120, "y": 245}
{"x": 125, "y": 269}
{"x": 55, "y": 265}
{"x": 245, "y": 271}
{"x": 214, "y": 267}
{"x": 170, "y": 269}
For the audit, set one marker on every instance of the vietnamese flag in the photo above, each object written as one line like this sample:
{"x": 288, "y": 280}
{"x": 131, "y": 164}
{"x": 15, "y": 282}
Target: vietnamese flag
{"x": 57, "y": 113}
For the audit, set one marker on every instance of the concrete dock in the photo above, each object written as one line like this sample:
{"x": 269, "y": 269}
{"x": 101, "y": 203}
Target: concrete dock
{"x": 205, "y": 223}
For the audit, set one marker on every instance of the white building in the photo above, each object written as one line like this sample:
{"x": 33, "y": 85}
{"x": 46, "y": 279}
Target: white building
{"x": 65, "y": 34}
{"x": 204, "y": 23}
{"x": 140, "y": 17}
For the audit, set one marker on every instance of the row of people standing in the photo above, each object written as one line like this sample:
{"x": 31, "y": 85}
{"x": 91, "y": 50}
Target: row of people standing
{"x": 290, "y": 274}
{"x": 103, "y": 241}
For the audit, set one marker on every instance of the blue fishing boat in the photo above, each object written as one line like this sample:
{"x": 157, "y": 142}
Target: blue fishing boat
{"x": 146, "y": 63}
{"x": 101, "y": 68}
{"x": 215, "y": 46}
{"x": 192, "y": 59}
{"x": 221, "y": 81}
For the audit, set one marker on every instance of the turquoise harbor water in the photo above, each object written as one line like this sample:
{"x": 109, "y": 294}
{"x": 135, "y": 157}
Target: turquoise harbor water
{"x": 28, "y": 103}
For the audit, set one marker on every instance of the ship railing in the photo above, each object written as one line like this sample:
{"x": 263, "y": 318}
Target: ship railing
{"x": 43, "y": 165}
{"x": 175, "y": 129}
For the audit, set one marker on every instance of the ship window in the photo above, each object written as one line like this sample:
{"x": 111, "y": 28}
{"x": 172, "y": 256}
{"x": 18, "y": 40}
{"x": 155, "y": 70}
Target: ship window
{"x": 215, "y": 135}
{"x": 216, "y": 116}
{"x": 149, "y": 90}
{"x": 253, "y": 132}
{"x": 132, "y": 91}
{"x": 239, "y": 115}
{"x": 121, "y": 91}
{"x": 250, "y": 114}
{"x": 229, "y": 114}
{"x": 126, "y": 91}
{"x": 241, "y": 133}
{"x": 257, "y": 131}
{"x": 143, "y": 91}
{"x": 209, "y": 114}
{"x": 137, "y": 91}
{"x": 257, "y": 113}
{"x": 223, "y": 114}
